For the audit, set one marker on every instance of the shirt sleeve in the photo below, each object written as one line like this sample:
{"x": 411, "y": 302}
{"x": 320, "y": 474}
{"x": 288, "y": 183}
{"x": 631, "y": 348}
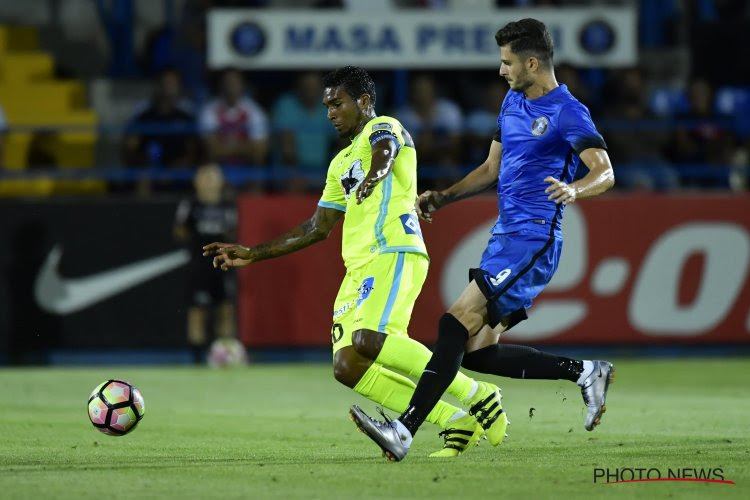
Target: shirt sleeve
{"x": 578, "y": 129}
{"x": 333, "y": 194}
{"x": 497, "y": 137}
{"x": 498, "y": 133}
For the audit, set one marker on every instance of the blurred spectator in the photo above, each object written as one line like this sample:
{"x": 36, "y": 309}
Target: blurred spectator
{"x": 481, "y": 123}
{"x": 701, "y": 138}
{"x": 235, "y": 127}
{"x": 198, "y": 222}
{"x": 636, "y": 151}
{"x": 162, "y": 132}
{"x": 189, "y": 49}
{"x": 436, "y": 124}
{"x": 303, "y": 132}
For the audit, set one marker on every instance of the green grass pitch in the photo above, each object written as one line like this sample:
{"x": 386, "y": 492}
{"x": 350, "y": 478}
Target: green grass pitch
{"x": 283, "y": 431}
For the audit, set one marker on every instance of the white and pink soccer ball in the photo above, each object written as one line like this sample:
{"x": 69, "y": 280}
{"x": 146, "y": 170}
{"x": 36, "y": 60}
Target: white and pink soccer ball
{"x": 227, "y": 352}
{"x": 115, "y": 407}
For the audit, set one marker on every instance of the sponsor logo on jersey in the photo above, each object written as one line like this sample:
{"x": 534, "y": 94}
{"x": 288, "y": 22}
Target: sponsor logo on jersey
{"x": 364, "y": 289}
{"x": 352, "y": 178}
{"x": 341, "y": 310}
{"x": 411, "y": 224}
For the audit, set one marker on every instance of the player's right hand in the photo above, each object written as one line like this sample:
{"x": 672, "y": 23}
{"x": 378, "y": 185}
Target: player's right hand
{"x": 428, "y": 202}
{"x": 228, "y": 255}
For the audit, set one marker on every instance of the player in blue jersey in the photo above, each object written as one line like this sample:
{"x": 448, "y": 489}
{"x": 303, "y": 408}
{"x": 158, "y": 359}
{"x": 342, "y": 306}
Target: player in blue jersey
{"x": 543, "y": 135}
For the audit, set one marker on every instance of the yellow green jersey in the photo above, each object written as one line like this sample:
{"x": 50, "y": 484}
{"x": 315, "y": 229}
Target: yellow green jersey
{"x": 386, "y": 221}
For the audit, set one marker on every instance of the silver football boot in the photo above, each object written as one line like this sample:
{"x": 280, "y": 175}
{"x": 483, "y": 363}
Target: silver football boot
{"x": 594, "y": 391}
{"x": 384, "y": 434}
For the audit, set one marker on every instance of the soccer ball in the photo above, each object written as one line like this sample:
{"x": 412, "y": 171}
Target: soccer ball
{"x": 116, "y": 407}
{"x": 227, "y": 352}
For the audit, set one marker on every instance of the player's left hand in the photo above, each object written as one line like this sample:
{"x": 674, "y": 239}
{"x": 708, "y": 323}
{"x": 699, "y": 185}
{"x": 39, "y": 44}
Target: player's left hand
{"x": 559, "y": 191}
{"x": 365, "y": 188}
{"x": 228, "y": 255}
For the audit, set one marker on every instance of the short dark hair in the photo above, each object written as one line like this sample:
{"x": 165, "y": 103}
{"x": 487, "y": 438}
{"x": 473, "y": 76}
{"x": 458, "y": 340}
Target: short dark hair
{"x": 356, "y": 81}
{"x": 529, "y": 36}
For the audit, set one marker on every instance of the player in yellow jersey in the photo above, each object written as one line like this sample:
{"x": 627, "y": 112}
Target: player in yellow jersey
{"x": 373, "y": 184}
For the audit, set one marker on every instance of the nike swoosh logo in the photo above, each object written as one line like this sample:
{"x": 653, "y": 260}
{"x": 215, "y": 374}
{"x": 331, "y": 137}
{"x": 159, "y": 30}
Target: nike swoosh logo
{"x": 59, "y": 295}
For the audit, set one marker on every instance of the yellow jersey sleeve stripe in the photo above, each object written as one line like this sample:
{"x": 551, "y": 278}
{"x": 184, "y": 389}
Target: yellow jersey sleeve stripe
{"x": 328, "y": 204}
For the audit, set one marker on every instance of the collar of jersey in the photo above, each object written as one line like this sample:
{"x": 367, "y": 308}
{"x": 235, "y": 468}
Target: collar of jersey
{"x": 553, "y": 91}
{"x": 363, "y": 128}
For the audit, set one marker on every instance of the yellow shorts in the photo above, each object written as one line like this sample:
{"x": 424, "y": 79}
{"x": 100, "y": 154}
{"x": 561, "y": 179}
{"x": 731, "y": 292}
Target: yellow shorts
{"x": 378, "y": 296}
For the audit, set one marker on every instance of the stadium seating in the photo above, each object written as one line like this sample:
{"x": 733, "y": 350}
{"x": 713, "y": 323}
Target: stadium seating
{"x": 33, "y": 98}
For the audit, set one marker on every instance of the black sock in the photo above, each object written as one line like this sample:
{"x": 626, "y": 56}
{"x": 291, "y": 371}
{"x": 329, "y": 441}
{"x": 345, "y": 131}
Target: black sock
{"x": 519, "y": 361}
{"x": 439, "y": 372}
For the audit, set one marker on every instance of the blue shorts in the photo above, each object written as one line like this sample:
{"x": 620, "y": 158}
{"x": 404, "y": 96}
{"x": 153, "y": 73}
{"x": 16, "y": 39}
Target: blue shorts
{"x": 515, "y": 268}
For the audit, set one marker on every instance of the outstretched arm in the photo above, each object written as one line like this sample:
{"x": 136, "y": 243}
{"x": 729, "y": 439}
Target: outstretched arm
{"x": 599, "y": 178}
{"x": 313, "y": 230}
{"x": 476, "y": 181}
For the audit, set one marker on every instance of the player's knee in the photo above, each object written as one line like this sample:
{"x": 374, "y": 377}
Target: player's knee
{"x": 485, "y": 337}
{"x": 368, "y": 343}
{"x": 341, "y": 371}
{"x": 450, "y": 327}
{"x": 348, "y": 366}
{"x": 472, "y": 319}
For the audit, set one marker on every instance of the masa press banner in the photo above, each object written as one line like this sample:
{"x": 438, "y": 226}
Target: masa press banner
{"x": 594, "y": 36}
{"x": 635, "y": 270}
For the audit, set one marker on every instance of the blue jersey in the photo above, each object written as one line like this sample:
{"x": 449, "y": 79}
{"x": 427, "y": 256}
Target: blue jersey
{"x": 540, "y": 137}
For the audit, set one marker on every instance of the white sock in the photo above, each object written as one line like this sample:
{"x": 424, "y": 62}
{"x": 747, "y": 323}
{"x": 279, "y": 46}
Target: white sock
{"x": 588, "y": 369}
{"x": 457, "y": 415}
{"x": 473, "y": 391}
{"x": 403, "y": 433}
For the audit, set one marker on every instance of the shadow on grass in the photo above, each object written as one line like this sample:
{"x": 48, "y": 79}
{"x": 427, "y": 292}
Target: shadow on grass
{"x": 179, "y": 463}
